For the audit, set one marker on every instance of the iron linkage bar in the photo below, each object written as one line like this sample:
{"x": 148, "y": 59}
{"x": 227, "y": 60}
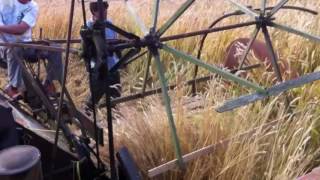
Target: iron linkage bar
{"x": 59, "y": 114}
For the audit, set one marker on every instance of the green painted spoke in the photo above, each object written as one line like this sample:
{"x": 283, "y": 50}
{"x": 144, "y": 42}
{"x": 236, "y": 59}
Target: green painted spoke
{"x": 214, "y": 69}
{"x": 155, "y": 14}
{"x": 244, "y": 9}
{"x": 175, "y": 16}
{"x": 294, "y": 31}
{"x": 278, "y": 7}
{"x": 166, "y": 100}
{"x": 136, "y": 18}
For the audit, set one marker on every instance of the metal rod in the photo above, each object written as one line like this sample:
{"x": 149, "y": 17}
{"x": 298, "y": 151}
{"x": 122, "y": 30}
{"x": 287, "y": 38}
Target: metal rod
{"x": 209, "y": 149}
{"x": 74, "y": 41}
{"x": 135, "y": 58}
{"x": 252, "y": 40}
{"x": 143, "y": 43}
{"x": 128, "y": 55}
{"x": 94, "y": 113}
{"x": 39, "y": 61}
{"x": 40, "y": 47}
{"x": 84, "y": 15}
{"x": 59, "y": 115}
{"x": 155, "y": 14}
{"x": 263, "y": 7}
{"x": 110, "y": 133}
{"x": 174, "y": 17}
{"x": 146, "y": 75}
{"x": 214, "y": 69}
{"x": 277, "y": 8}
{"x": 120, "y": 31}
{"x": 206, "y": 31}
{"x": 167, "y": 103}
{"x": 274, "y": 58}
{"x": 294, "y": 31}
{"x": 245, "y": 9}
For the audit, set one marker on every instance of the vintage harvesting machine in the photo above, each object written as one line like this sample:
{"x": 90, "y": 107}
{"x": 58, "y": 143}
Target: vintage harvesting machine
{"x": 67, "y": 152}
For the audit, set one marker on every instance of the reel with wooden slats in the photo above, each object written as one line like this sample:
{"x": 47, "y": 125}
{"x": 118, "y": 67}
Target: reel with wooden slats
{"x": 262, "y": 19}
{"x": 154, "y": 41}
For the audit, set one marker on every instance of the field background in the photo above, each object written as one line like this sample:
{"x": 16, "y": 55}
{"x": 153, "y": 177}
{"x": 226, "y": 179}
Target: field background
{"x": 285, "y": 151}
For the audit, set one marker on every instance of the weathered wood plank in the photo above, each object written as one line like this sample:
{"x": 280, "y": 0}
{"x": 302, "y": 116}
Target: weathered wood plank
{"x": 209, "y": 149}
{"x": 273, "y": 91}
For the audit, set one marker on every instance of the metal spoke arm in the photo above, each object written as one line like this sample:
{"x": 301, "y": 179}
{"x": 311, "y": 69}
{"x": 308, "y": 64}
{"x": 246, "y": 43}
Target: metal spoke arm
{"x": 121, "y": 31}
{"x": 294, "y": 31}
{"x": 155, "y": 14}
{"x": 273, "y": 91}
{"x": 277, "y": 8}
{"x": 249, "y": 46}
{"x": 272, "y": 53}
{"x": 131, "y": 53}
{"x": 244, "y": 9}
{"x": 135, "y": 58}
{"x": 146, "y": 74}
{"x": 214, "y": 69}
{"x": 145, "y": 42}
{"x": 175, "y": 16}
{"x": 166, "y": 99}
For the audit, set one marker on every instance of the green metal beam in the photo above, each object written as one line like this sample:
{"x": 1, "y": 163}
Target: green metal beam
{"x": 166, "y": 100}
{"x": 214, "y": 69}
{"x": 294, "y": 31}
{"x": 244, "y": 9}
{"x": 175, "y": 16}
{"x": 155, "y": 14}
{"x": 273, "y": 91}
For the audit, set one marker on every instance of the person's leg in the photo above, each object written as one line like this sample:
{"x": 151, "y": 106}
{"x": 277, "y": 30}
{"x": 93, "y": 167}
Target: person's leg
{"x": 54, "y": 67}
{"x": 14, "y": 58}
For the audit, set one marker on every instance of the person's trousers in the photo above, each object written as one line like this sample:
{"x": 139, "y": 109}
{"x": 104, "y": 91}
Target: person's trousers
{"x": 16, "y": 56}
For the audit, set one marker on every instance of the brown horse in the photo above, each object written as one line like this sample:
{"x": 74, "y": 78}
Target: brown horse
{"x": 260, "y": 52}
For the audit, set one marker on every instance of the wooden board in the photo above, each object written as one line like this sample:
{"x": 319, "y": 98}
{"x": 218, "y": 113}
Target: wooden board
{"x": 207, "y": 150}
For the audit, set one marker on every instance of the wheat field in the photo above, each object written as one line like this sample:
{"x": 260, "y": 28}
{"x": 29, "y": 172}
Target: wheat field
{"x": 285, "y": 151}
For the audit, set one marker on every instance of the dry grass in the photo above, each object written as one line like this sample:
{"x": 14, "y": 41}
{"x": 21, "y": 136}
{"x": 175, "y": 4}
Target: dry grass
{"x": 287, "y": 150}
